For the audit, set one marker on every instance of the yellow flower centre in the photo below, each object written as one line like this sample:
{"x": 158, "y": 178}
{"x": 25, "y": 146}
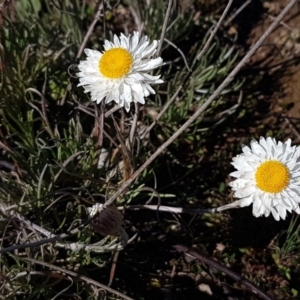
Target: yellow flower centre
{"x": 115, "y": 63}
{"x": 272, "y": 176}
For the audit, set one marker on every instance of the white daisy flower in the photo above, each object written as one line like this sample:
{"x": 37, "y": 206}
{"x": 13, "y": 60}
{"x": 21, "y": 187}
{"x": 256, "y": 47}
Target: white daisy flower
{"x": 268, "y": 176}
{"x": 120, "y": 72}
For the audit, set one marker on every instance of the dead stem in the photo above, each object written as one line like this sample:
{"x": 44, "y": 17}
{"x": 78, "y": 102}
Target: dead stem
{"x": 164, "y": 28}
{"x": 207, "y": 44}
{"x": 190, "y": 70}
{"x": 90, "y": 30}
{"x": 216, "y": 265}
{"x": 76, "y": 276}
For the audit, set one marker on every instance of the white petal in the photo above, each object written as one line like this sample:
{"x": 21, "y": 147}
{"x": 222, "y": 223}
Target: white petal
{"x": 246, "y": 201}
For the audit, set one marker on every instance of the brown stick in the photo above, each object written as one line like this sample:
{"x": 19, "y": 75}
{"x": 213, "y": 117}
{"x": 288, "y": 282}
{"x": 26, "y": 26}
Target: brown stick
{"x": 216, "y": 265}
{"x": 77, "y": 276}
{"x": 113, "y": 268}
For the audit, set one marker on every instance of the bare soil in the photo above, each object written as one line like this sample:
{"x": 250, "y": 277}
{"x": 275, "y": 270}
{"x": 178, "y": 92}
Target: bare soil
{"x": 279, "y": 57}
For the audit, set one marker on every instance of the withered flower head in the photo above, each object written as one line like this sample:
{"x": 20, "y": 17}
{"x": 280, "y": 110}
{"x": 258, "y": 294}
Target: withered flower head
{"x": 109, "y": 222}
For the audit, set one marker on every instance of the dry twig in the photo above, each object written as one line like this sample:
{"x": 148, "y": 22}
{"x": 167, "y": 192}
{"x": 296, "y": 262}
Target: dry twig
{"x": 76, "y": 276}
{"x": 216, "y": 265}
